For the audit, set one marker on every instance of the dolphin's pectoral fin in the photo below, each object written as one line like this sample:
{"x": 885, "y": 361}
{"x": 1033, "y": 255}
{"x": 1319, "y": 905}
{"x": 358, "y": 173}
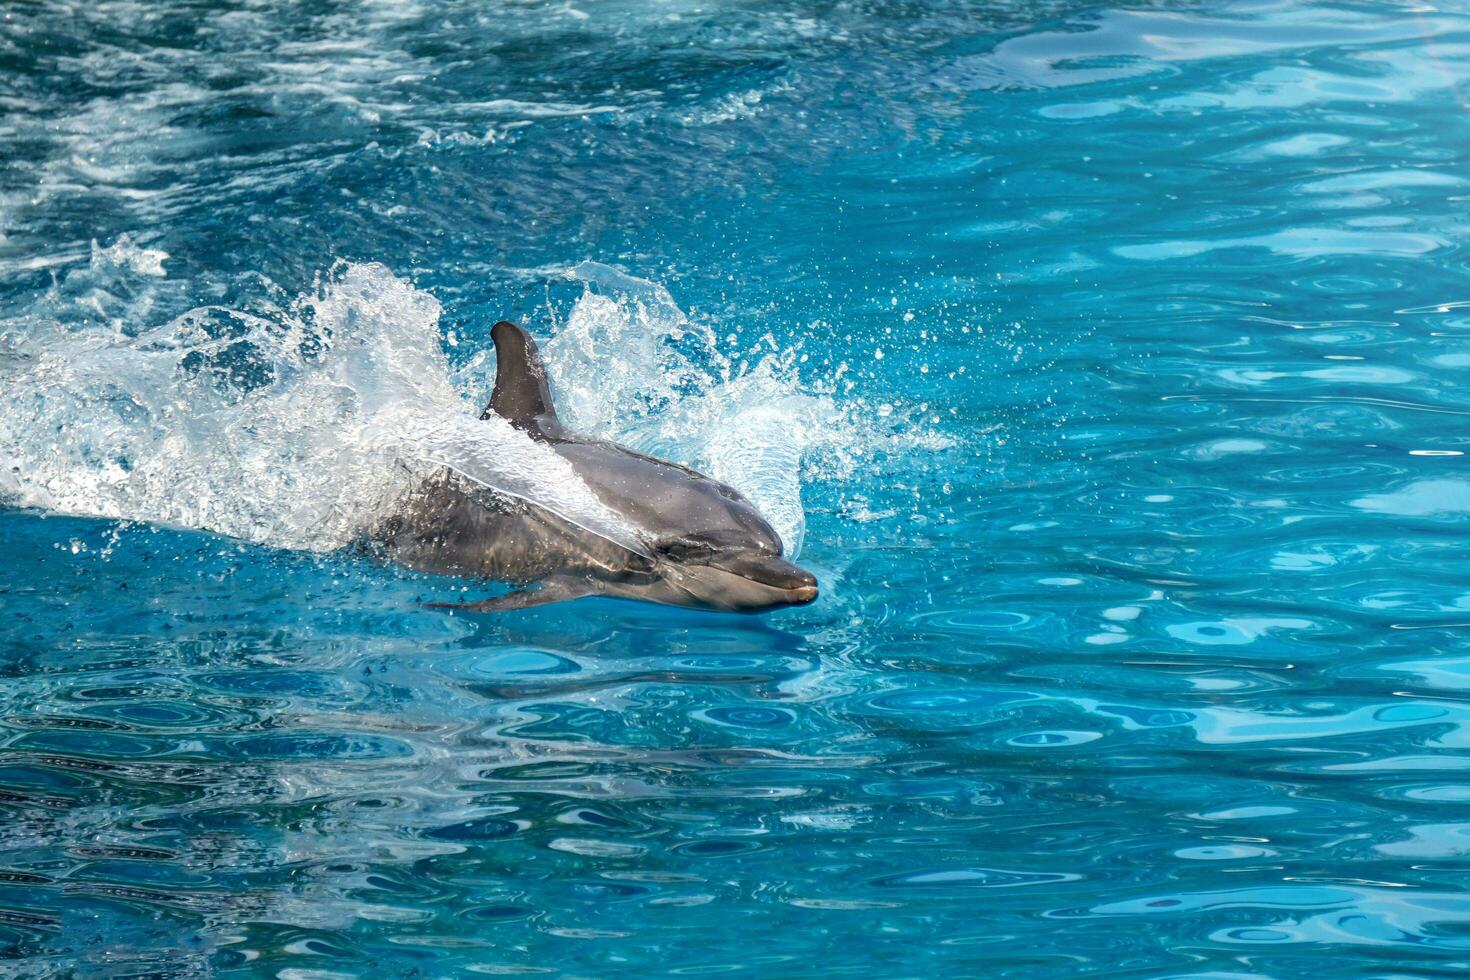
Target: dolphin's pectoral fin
{"x": 549, "y": 591}
{"x": 522, "y": 395}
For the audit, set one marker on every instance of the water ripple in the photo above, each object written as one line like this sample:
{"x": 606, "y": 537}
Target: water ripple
{"x": 1141, "y": 644}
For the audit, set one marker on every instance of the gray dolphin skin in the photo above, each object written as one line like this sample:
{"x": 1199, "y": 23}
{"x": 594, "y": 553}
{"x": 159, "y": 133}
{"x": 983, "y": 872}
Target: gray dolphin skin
{"x": 709, "y": 548}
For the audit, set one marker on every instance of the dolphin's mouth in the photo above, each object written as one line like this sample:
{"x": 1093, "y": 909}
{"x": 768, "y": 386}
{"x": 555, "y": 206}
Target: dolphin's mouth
{"x": 796, "y": 585}
{"x": 744, "y": 582}
{"x": 803, "y": 594}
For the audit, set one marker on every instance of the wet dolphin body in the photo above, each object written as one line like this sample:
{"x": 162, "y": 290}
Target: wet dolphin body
{"x": 709, "y": 548}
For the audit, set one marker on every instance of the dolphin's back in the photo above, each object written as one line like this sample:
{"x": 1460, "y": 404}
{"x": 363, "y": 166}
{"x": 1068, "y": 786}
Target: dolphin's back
{"x": 666, "y": 500}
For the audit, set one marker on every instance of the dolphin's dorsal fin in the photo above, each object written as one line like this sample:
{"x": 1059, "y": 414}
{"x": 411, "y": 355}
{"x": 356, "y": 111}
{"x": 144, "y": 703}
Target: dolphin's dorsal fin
{"x": 522, "y": 395}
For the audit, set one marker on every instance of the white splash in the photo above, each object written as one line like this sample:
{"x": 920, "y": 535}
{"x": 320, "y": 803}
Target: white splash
{"x": 123, "y": 253}
{"x": 348, "y": 403}
{"x": 630, "y": 366}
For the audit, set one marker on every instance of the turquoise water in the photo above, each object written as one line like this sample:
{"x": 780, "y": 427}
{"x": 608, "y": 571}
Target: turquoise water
{"x": 1107, "y": 361}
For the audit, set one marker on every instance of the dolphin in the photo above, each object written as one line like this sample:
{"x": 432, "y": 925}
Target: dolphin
{"x": 707, "y": 547}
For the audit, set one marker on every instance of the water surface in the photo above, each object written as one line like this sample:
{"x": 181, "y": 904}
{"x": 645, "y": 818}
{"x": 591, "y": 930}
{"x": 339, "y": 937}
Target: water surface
{"x": 1105, "y": 361}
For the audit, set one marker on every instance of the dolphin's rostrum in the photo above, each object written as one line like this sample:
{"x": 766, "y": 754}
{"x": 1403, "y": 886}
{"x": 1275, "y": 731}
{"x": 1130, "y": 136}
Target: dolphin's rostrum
{"x": 707, "y": 546}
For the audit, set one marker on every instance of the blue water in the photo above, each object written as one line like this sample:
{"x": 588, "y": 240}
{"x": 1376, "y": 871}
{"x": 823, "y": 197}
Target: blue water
{"x": 1131, "y": 343}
